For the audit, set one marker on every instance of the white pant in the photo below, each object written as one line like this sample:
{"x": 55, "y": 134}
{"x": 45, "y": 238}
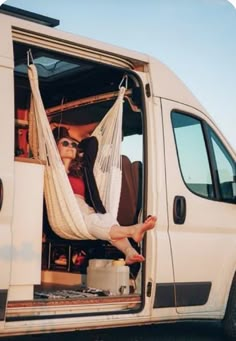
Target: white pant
{"x": 98, "y": 224}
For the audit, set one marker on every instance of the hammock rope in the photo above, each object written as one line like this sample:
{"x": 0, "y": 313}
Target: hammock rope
{"x": 64, "y": 214}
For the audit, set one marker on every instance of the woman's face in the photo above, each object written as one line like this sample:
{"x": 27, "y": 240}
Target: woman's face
{"x": 67, "y": 148}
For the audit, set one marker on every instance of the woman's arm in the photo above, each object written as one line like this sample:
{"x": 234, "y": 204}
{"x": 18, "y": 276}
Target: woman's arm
{"x": 89, "y": 147}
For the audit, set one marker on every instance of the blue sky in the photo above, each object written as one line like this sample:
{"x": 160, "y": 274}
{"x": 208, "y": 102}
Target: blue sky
{"x": 195, "y": 38}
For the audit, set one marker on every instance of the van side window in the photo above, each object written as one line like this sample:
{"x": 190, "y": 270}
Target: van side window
{"x": 192, "y": 154}
{"x": 225, "y": 168}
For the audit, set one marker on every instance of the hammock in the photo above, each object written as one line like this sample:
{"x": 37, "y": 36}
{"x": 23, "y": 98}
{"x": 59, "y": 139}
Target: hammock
{"x": 64, "y": 214}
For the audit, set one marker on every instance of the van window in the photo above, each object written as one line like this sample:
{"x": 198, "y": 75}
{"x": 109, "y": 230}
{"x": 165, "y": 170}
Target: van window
{"x": 225, "y": 168}
{"x": 192, "y": 154}
{"x": 132, "y": 147}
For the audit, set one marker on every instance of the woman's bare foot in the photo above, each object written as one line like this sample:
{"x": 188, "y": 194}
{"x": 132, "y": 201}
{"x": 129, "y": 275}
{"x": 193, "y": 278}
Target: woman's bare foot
{"x": 132, "y": 256}
{"x": 140, "y": 229}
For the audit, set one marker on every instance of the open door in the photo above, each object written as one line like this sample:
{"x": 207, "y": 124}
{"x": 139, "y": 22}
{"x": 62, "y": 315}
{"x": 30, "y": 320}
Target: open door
{"x": 6, "y": 164}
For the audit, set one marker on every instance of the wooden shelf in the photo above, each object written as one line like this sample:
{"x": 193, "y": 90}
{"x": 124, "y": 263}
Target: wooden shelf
{"x": 21, "y": 123}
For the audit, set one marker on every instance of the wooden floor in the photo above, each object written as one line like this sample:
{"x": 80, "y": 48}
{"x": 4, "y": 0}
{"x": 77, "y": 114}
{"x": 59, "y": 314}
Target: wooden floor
{"x": 133, "y": 299}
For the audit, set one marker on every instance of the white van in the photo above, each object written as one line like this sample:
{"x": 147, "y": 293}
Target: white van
{"x": 176, "y": 165}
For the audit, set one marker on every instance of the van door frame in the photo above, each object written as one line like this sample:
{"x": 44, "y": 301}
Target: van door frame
{"x": 6, "y": 161}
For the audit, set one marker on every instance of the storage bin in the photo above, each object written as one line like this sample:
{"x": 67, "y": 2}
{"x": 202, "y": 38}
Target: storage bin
{"x": 109, "y": 275}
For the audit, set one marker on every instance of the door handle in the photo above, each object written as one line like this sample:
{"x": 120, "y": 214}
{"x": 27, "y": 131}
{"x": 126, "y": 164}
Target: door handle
{"x": 1, "y": 193}
{"x": 179, "y": 210}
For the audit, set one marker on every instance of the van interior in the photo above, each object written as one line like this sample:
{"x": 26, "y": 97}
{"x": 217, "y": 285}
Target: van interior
{"x": 78, "y": 93}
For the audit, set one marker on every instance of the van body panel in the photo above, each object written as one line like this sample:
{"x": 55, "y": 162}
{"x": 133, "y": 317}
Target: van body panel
{"x": 160, "y": 271}
{"x": 30, "y": 29}
{"x": 166, "y": 84}
{"x": 6, "y": 51}
{"x": 27, "y": 230}
{"x": 28, "y": 327}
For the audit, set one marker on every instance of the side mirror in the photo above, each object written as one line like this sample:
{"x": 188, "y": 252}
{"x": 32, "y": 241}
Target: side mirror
{"x": 234, "y": 187}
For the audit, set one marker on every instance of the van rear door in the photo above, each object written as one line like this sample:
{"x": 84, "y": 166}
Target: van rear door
{"x": 202, "y": 212}
{"x": 6, "y": 162}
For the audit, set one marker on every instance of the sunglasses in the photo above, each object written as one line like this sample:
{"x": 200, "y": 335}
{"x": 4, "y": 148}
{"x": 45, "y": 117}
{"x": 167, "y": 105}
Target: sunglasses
{"x": 68, "y": 143}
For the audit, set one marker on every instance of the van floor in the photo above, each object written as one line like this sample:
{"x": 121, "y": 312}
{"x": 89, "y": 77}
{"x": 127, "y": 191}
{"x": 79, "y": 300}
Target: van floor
{"x": 59, "y": 291}
{"x": 70, "y": 300}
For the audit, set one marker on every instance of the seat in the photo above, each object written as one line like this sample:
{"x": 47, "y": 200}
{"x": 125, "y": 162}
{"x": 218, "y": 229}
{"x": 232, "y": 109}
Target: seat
{"x": 131, "y": 192}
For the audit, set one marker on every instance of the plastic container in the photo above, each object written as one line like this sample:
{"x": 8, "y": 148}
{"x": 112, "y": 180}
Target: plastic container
{"x": 110, "y": 275}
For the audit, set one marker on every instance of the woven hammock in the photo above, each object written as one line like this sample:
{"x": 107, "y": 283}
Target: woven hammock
{"x": 64, "y": 214}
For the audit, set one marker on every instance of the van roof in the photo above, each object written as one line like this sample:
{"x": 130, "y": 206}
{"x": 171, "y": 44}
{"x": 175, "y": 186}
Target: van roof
{"x": 169, "y": 85}
{"x": 30, "y": 16}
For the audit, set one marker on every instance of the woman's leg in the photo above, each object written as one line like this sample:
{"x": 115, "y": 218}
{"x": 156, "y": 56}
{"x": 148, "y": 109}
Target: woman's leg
{"x": 136, "y": 232}
{"x": 131, "y": 255}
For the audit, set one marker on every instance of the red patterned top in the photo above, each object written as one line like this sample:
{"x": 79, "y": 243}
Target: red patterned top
{"x": 77, "y": 185}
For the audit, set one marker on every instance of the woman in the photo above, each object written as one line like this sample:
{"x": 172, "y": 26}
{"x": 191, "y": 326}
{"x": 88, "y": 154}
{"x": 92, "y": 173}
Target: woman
{"x": 78, "y": 159}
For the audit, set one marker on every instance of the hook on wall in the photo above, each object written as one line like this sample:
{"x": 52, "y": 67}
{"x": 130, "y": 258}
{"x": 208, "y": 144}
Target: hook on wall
{"x": 124, "y": 81}
{"x": 30, "y": 59}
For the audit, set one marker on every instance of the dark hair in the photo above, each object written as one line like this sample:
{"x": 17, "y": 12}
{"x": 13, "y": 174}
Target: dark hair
{"x": 60, "y": 132}
{"x": 76, "y": 165}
